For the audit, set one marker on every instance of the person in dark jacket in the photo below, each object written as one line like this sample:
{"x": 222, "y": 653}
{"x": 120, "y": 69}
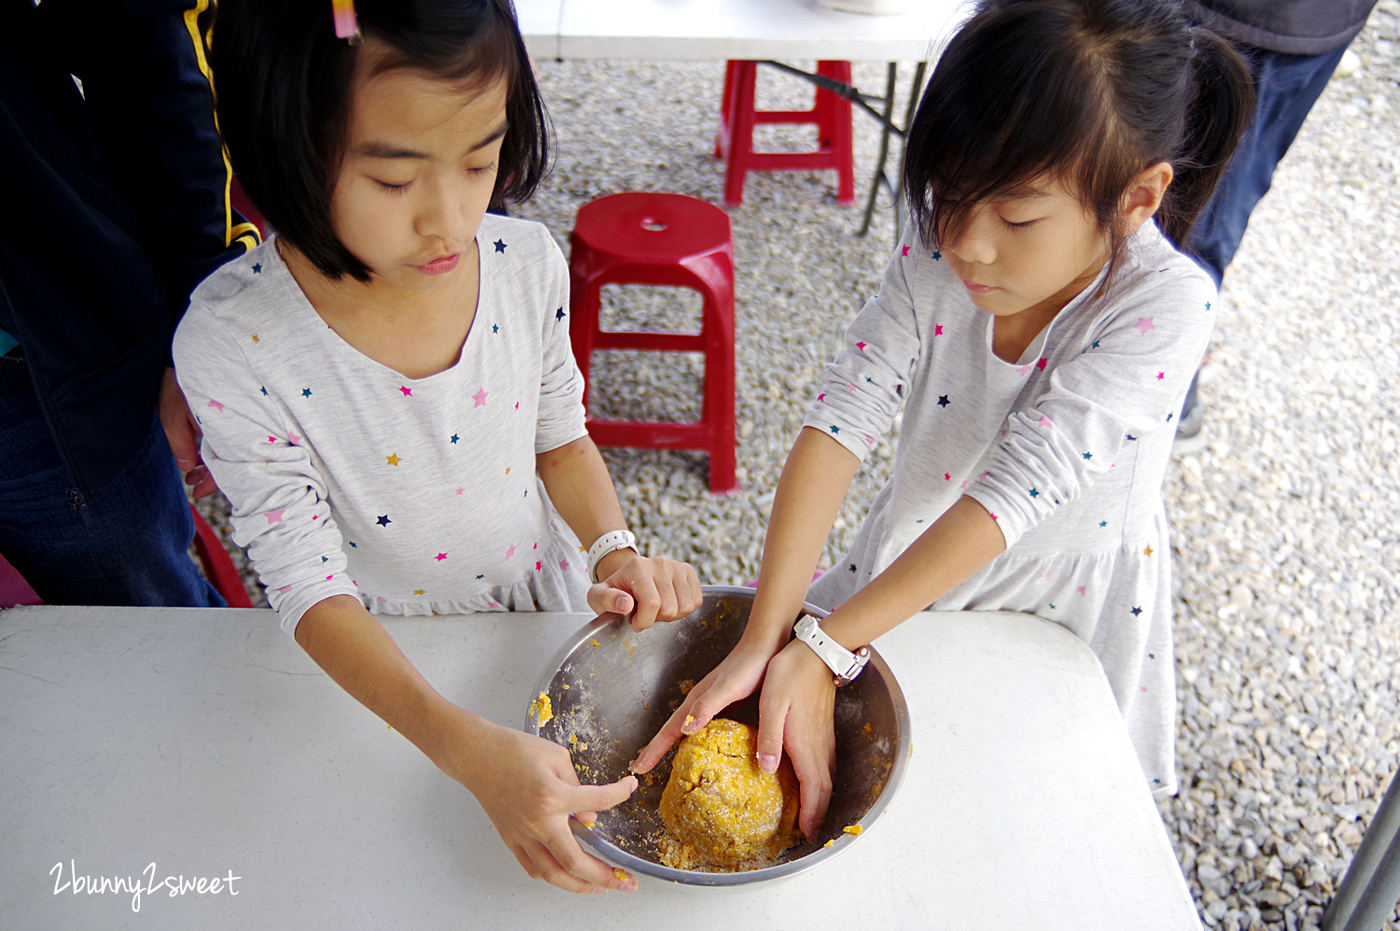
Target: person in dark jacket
{"x": 1292, "y": 48}
{"x": 114, "y": 197}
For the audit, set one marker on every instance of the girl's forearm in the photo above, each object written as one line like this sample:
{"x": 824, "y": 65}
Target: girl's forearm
{"x": 959, "y": 543}
{"x": 582, "y": 491}
{"x": 813, "y": 484}
{"x": 357, "y": 652}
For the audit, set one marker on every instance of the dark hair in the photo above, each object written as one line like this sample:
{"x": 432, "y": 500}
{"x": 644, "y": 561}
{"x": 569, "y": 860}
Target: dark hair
{"x": 1089, "y": 92}
{"x": 283, "y": 84}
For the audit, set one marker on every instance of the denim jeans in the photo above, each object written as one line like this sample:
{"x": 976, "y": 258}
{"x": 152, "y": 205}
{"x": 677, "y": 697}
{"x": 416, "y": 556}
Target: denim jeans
{"x": 127, "y": 544}
{"x": 1287, "y": 86}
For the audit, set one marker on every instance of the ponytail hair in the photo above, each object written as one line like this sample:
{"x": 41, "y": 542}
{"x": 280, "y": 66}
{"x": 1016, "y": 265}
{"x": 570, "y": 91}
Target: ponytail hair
{"x": 1220, "y": 111}
{"x": 1085, "y": 92}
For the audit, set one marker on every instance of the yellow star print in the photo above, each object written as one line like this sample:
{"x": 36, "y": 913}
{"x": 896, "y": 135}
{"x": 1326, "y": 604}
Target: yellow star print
{"x": 1148, "y": 551}
{"x": 255, "y": 338}
{"x": 394, "y": 460}
{"x": 418, "y": 591}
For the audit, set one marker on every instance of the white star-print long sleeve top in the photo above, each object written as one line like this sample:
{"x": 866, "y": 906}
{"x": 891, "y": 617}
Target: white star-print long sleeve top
{"x": 1065, "y": 447}
{"x": 414, "y": 495}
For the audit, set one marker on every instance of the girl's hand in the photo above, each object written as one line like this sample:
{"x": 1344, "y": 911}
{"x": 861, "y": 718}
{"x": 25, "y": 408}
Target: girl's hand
{"x": 651, "y": 589}
{"x": 529, "y": 789}
{"x": 735, "y": 678}
{"x": 797, "y": 711}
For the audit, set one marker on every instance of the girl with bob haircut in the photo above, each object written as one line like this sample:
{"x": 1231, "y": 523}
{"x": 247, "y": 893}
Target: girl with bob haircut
{"x": 1039, "y": 326}
{"x": 385, "y": 386}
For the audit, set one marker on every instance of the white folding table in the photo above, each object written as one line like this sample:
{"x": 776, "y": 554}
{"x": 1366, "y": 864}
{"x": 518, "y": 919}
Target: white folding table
{"x": 206, "y": 743}
{"x": 764, "y": 30}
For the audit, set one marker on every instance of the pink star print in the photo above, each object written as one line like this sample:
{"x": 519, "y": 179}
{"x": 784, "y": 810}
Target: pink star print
{"x": 1143, "y": 325}
{"x": 329, "y": 577}
{"x": 275, "y": 517}
{"x": 938, "y": 329}
{"x": 1080, "y": 589}
{"x": 947, "y": 477}
{"x": 539, "y": 566}
{"x": 272, "y": 439}
{"x": 1041, "y": 364}
{"x": 851, "y": 388}
{"x": 822, "y": 396}
{"x": 216, "y": 405}
{"x": 459, "y": 491}
{"x": 293, "y": 439}
{"x": 284, "y": 589}
{"x": 904, "y": 252}
{"x": 1161, "y": 375}
{"x": 564, "y": 564}
{"x": 984, "y": 476}
{"x": 510, "y": 552}
{"x": 861, "y": 346}
{"x": 440, "y": 557}
{"x": 480, "y": 397}
{"x": 1023, "y": 369}
{"x": 1045, "y": 421}
{"x": 963, "y": 487}
{"x": 407, "y": 391}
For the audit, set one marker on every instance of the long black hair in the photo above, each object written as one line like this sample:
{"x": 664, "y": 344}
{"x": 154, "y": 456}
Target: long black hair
{"x": 283, "y": 82}
{"x": 1088, "y": 92}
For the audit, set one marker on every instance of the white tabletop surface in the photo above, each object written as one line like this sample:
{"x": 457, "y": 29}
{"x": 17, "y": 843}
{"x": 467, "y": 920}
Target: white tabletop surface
{"x": 717, "y": 30}
{"x": 206, "y": 743}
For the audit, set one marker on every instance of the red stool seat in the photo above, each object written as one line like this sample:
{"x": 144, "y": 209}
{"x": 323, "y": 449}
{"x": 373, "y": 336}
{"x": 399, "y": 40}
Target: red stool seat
{"x": 661, "y": 239}
{"x": 831, "y": 114}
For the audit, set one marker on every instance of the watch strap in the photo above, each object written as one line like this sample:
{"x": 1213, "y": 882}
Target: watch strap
{"x": 844, "y": 664}
{"x": 610, "y": 542}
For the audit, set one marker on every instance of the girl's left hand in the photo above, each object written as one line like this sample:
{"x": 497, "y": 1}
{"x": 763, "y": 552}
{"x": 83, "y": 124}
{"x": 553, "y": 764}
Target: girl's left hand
{"x": 651, "y": 589}
{"x": 796, "y": 711}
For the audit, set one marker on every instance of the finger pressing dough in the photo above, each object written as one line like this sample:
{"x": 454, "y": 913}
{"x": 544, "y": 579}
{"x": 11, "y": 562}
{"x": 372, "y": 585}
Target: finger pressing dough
{"x": 723, "y": 813}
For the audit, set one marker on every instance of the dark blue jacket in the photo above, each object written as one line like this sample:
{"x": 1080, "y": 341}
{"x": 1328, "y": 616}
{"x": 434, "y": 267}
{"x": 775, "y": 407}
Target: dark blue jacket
{"x": 1297, "y": 27}
{"x": 113, "y": 206}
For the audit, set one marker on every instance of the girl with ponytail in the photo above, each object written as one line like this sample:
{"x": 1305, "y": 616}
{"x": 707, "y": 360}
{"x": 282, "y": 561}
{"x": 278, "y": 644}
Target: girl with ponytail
{"x": 1038, "y": 327}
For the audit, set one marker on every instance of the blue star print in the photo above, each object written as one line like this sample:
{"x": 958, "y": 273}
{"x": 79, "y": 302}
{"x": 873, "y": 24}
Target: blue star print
{"x": 943, "y": 400}
{"x": 454, "y": 439}
{"x": 257, "y": 269}
{"x": 559, "y": 314}
{"x": 383, "y": 520}
{"x": 500, "y": 245}
{"x": 306, "y": 392}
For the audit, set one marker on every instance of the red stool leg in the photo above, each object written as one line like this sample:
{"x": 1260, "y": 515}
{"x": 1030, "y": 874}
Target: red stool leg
{"x": 585, "y": 285}
{"x": 218, "y": 567}
{"x": 741, "y": 123}
{"x": 726, "y": 109}
{"x": 719, "y": 386}
{"x": 834, "y": 128}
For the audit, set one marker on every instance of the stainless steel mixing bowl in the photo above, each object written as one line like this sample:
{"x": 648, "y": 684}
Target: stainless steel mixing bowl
{"x": 611, "y": 689}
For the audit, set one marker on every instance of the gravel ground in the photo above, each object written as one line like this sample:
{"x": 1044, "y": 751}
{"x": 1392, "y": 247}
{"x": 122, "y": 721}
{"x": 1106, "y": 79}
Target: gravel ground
{"x": 1285, "y": 523}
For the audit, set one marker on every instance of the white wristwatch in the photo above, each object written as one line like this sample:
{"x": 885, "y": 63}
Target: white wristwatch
{"x": 843, "y": 664}
{"x": 610, "y": 542}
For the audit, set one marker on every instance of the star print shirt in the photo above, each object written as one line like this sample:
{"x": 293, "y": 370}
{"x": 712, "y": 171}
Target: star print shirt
{"x": 417, "y": 495}
{"x": 1066, "y": 447}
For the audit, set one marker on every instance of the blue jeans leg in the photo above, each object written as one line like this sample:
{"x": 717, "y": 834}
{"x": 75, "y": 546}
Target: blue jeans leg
{"x": 1287, "y": 86}
{"x": 128, "y": 544}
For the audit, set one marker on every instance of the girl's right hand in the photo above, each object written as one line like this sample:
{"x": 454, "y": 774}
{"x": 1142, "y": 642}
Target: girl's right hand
{"x": 735, "y": 678}
{"x": 529, "y": 789}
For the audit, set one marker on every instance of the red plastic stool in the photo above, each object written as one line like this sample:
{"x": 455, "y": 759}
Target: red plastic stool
{"x": 830, "y": 112}
{"x": 661, "y": 239}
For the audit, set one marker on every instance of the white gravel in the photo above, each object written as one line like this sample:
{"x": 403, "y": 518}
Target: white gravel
{"x": 1288, "y": 648}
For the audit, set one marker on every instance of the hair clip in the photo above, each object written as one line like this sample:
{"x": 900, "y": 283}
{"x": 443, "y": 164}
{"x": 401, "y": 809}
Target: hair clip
{"x": 347, "y": 26}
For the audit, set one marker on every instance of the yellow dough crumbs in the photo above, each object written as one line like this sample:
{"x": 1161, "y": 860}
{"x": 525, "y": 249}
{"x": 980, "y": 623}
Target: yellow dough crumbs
{"x": 853, "y": 829}
{"x": 621, "y": 874}
{"x": 723, "y": 813}
{"x": 541, "y": 710}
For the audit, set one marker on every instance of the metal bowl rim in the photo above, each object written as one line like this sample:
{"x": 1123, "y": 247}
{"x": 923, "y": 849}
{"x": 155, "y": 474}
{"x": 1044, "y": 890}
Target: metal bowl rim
{"x": 633, "y": 863}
